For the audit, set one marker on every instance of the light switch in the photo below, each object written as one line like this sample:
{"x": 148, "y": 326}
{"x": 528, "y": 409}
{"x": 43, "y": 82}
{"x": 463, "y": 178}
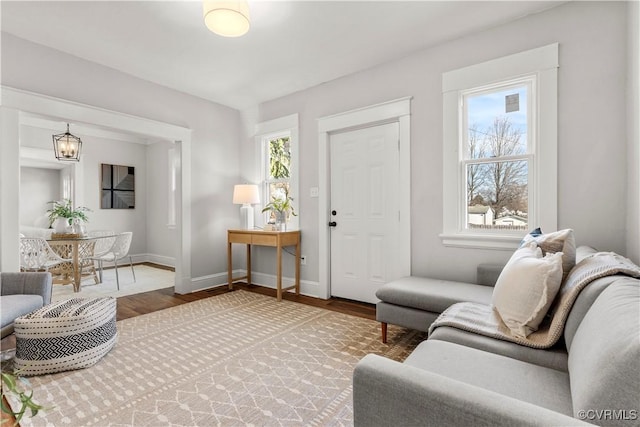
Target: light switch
{"x": 313, "y": 192}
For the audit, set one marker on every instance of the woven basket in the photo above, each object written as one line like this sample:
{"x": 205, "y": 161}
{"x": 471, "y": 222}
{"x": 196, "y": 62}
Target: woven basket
{"x": 62, "y": 236}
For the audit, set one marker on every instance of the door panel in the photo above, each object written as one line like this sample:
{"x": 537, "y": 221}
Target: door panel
{"x": 364, "y": 182}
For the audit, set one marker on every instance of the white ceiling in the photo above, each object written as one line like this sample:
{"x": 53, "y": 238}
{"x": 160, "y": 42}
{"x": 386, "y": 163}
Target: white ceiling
{"x": 291, "y": 46}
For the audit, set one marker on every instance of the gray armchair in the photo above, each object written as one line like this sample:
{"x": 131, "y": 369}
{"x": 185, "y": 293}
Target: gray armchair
{"x": 20, "y": 294}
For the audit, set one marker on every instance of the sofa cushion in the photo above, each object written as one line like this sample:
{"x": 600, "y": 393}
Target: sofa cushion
{"x": 558, "y": 241}
{"x": 554, "y": 358}
{"x": 14, "y": 306}
{"x": 432, "y": 294}
{"x": 526, "y": 288}
{"x": 538, "y": 385}
{"x": 583, "y": 303}
{"x": 604, "y": 360}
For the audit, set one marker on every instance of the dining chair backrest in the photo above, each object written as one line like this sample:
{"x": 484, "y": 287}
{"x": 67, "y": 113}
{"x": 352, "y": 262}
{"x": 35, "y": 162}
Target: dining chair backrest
{"x": 35, "y": 254}
{"x": 103, "y": 244}
{"x": 121, "y": 245}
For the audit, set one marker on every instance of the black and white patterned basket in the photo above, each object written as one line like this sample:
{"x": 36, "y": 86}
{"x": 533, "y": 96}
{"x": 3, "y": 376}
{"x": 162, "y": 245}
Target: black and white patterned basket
{"x": 65, "y": 335}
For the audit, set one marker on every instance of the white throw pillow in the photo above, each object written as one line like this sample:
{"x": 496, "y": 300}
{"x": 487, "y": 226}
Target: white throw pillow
{"x": 558, "y": 241}
{"x": 526, "y": 288}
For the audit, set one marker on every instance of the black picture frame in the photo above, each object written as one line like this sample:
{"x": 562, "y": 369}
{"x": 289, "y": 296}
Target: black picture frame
{"x": 117, "y": 187}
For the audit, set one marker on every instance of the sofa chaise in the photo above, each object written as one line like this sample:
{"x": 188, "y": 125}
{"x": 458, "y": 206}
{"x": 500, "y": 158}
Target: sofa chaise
{"x": 457, "y": 377}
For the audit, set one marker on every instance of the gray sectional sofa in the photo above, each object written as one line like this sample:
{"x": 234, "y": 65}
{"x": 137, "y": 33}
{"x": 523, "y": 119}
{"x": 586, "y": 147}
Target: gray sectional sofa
{"x": 459, "y": 378}
{"x": 22, "y": 293}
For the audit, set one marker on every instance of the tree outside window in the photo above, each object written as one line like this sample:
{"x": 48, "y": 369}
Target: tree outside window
{"x": 278, "y": 167}
{"x": 496, "y": 159}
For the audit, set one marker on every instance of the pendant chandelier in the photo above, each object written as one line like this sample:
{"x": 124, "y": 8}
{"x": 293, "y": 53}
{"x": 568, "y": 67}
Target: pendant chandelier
{"x": 226, "y": 18}
{"x": 67, "y": 147}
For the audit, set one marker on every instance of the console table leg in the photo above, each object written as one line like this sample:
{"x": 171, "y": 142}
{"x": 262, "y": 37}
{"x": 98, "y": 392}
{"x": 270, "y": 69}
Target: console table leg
{"x": 279, "y": 279}
{"x": 229, "y": 267}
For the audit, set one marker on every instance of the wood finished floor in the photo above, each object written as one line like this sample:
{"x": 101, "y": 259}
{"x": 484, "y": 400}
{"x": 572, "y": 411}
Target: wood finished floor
{"x": 148, "y": 302}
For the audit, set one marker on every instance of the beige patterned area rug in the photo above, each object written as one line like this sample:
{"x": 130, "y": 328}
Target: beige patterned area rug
{"x": 235, "y": 359}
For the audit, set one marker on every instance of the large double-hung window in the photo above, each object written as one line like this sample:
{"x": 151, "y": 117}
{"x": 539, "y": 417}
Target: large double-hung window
{"x": 500, "y": 149}
{"x": 498, "y": 154}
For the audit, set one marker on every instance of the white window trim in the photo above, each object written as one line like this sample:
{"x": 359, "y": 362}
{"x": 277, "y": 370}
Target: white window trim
{"x": 542, "y": 62}
{"x": 273, "y": 128}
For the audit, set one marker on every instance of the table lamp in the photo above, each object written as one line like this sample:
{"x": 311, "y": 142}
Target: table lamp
{"x": 246, "y": 195}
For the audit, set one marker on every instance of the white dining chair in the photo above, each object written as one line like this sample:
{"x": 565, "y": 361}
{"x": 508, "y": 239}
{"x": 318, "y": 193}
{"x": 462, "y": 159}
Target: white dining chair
{"x": 105, "y": 241}
{"x": 37, "y": 255}
{"x": 119, "y": 250}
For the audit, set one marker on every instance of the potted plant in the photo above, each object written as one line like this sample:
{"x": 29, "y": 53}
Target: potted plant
{"x": 64, "y": 215}
{"x": 14, "y": 384}
{"x": 280, "y": 205}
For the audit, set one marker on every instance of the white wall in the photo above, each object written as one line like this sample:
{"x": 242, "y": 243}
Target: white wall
{"x": 214, "y": 142}
{"x": 38, "y": 186}
{"x": 633, "y": 117}
{"x": 160, "y": 237}
{"x": 592, "y": 130}
{"x": 96, "y": 151}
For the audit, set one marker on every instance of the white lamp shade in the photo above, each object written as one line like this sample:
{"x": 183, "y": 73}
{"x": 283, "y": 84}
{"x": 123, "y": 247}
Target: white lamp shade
{"x": 246, "y": 194}
{"x": 226, "y": 18}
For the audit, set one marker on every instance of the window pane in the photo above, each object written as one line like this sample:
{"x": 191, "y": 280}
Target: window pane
{"x": 279, "y": 158}
{"x": 497, "y": 195}
{"x": 277, "y": 190}
{"x": 497, "y": 123}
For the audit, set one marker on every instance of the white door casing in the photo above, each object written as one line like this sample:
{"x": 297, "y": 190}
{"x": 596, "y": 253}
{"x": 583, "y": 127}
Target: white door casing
{"x": 364, "y": 197}
{"x": 387, "y": 112}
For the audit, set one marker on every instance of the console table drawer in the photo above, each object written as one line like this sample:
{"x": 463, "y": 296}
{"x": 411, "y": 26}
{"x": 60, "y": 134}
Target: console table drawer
{"x": 240, "y": 238}
{"x": 264, "y": 240}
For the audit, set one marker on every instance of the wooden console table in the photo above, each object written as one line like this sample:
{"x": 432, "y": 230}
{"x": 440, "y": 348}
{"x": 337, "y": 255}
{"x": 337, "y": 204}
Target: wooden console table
{"x": 277, "y": 239}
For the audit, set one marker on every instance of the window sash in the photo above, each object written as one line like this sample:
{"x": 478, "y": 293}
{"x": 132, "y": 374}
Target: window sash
{"x": 463, "y": 211}
{"x": 529, "y": 81}
{"x": 267, "y": 179}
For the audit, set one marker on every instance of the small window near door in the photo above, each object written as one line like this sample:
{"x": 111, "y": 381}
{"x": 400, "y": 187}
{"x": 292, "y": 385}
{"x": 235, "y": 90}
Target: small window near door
{"x": 277, "y": 169}
{"x": 277, "y": 164}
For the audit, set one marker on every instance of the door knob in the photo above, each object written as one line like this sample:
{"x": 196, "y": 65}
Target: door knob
{"x": 333, "y": 224}
{"x": 334, "y": 213}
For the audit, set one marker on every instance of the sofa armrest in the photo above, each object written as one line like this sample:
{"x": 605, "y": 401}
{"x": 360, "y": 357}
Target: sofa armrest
{"x": 389, "y": 393}
{"x": 27, "y": 283}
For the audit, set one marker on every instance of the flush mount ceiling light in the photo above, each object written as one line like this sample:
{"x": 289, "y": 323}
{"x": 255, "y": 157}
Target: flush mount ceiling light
{"x": 226, "y": 18}
{"x": 67, "y": 147}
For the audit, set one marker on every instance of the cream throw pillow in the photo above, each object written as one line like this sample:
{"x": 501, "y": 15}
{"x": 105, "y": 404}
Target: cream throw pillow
{"x": 558, "y": 241}
{"x": 526, "y": 288}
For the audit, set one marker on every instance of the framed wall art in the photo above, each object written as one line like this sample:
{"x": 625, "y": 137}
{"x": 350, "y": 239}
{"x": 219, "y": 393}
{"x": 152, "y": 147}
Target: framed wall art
{"x": 117, "y": 188}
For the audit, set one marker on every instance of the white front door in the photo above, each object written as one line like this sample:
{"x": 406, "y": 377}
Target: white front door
{"x": 365, "y": 209}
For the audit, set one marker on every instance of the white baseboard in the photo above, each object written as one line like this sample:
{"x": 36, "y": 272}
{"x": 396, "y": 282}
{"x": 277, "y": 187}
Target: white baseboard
{"x": 153, "y": 258}
{"x": 307, "y": 287}
{"x": 212, "y": 280}
{"x": 209, "y": 281}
